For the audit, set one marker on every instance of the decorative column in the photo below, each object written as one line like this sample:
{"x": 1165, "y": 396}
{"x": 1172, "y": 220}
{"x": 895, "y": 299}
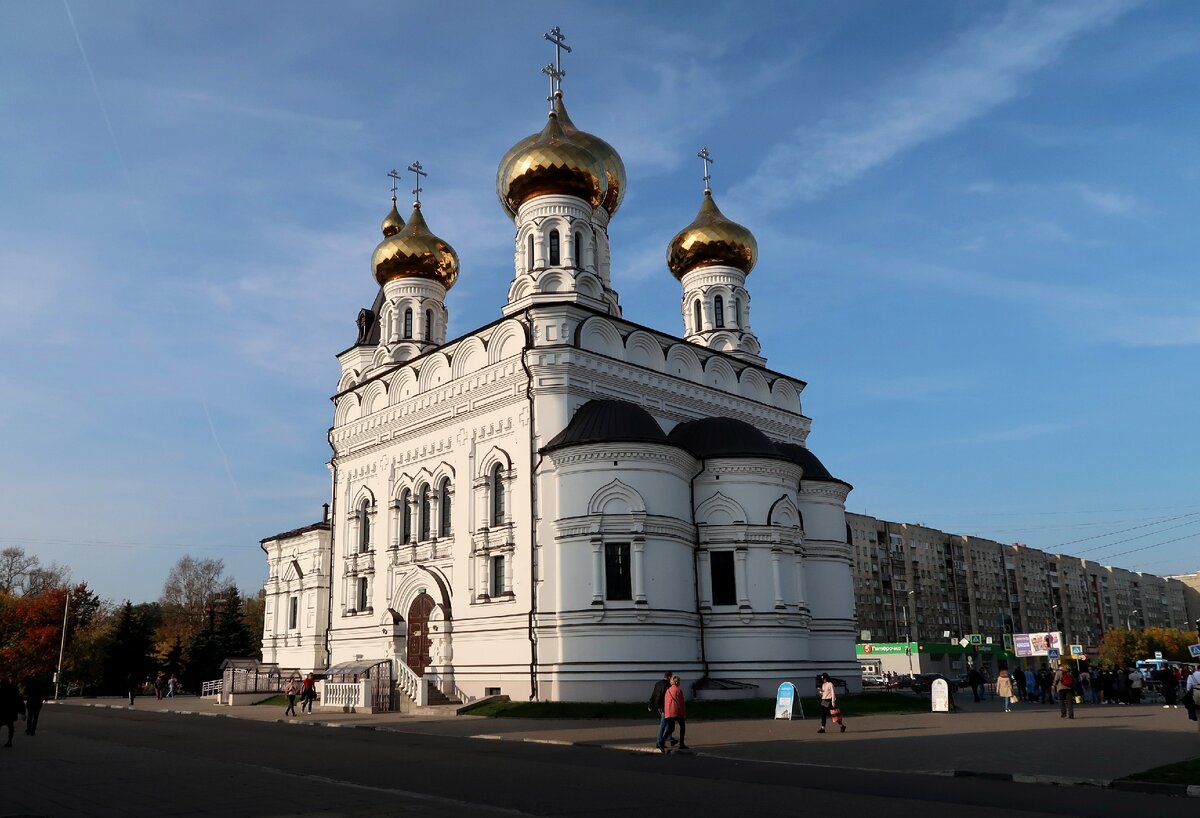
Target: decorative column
{"x": 704, "y": 573}
{"x": 776, "y": 578}
{"x": 638, "y": 569}
{"x": 739, "y": 576}
{"x": 597, "y": 571}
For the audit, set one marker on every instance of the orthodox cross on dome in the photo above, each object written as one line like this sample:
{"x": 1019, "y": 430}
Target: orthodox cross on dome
{"x": 395, "y": 177}
{"x": 415, "y": 167}
{"x": 559, "y": 39}
{"x": 555, "y": 77}
{"x": 708, "y": 160}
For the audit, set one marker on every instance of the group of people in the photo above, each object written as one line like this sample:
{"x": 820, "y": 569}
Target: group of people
{"x": 306, "y": 689}
{"x": 1070, "y": 686}
{"x": 25, "y": 701}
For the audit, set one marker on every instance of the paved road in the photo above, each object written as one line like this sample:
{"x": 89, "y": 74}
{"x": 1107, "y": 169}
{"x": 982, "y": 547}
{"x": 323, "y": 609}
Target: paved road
{"x": 101, "y": 762}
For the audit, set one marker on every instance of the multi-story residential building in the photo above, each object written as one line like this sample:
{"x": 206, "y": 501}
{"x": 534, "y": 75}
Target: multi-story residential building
{"x": 916, "y": 583}
{"x": 1191, "y": 596}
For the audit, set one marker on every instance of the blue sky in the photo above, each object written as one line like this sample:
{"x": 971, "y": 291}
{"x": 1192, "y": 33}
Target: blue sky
{"x": 976, "y": 226}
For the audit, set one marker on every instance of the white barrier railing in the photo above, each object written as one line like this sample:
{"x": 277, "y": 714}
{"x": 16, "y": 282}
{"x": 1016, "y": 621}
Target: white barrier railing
{"x": 454, "y": 691}
{"x": 346, "y": 694}
{"x": 212, "y": 688}
{"x": 413, "y": 685}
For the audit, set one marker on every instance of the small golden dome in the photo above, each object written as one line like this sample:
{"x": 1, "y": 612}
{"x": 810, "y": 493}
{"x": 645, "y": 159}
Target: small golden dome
{"x": 414, "y": 252}
{"x": 711, "y": 239}
{"x": 392, "y": 223}
{"x": 551, "y": 163}
{"x": 606, "y": 154}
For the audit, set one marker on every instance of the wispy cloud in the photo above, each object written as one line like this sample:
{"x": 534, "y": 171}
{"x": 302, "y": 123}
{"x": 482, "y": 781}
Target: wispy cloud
{"x": 1111, "y": 202}
{"x": 1106, "y": 201}
{"x": 982, "y": 70}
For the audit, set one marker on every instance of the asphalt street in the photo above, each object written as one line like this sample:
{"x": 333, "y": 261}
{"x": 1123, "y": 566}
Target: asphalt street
{"x": 103, "y": 762}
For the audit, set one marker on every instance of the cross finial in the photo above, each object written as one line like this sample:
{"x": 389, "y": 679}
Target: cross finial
{"x": 395, "y": 177}
{"x": 708, "y": 160}
{"x": 555, "y": 76}
{"x": 559, "y": 39}
{"x": 415, "y": 167}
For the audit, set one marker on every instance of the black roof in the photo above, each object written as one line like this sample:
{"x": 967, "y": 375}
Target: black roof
{"x": 296, "y": 532}
{"x": 814, "y": 469}
{"x": 722, "y": 437}
{"x": 600, "y": 421}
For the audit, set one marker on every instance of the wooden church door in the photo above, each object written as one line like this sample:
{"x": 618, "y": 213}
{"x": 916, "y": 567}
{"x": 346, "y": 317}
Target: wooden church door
{"x": 418, "y": 633}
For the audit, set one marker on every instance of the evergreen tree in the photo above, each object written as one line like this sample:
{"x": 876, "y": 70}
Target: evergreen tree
{"x": 233, "y": 635}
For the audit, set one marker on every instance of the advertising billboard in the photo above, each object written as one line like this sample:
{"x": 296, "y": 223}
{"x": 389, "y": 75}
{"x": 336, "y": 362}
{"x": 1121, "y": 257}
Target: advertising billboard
{"x": 1037, "y": 644}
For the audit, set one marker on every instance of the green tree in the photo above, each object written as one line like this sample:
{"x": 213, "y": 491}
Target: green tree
{"x": 131, "y": 649}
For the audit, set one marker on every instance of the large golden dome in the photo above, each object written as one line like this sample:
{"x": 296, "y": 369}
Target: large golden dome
{"x": 552, "y": 162}
{"x": 414, "y": 252}
{"x": 711, "y": 239}
{"x": 606, "y": 154}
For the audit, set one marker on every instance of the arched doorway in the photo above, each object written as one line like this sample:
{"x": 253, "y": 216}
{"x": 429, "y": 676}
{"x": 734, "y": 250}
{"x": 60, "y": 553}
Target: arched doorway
{"x": 418, "y": 633}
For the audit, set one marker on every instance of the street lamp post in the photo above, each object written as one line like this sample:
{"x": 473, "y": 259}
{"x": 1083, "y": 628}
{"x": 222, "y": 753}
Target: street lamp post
{"x": 908, "y": 632}
{"x": 1129, "y": 619}
{"x": 62, "y": 645}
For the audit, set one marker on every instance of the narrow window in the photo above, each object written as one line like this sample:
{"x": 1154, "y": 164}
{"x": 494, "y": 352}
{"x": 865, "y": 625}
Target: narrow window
{"x": 497, "y": 486}
{"x": 293, "y": 612}
{"x": 406, "y": 516}
{"x": 428, "y": 325}
{"x": 364, "y": 527}
{"x": 554, "y": 255}
{"x": 737, "y": 313}
{"x": 719, "y": 312}
{"x": 362, "y": 594}
{"x": 444, "y": 525}
{"x": 408, "y": 323}
{"x": 498, "y": 586}
{"x": 424, "y": 492}
{"x": 697, "y": 318}
{"x": 618, "y": 580}
{"x": 529, "y": 254}
{"x": 724, "y": 589}
{"x": 578, "y": 250}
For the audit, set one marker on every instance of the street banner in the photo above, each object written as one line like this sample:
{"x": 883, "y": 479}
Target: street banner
{"x": 785, "y": 700}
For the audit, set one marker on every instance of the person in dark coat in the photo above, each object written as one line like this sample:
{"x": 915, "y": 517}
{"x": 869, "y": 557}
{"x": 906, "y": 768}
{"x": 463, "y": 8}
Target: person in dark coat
{"x": 35, "y": 696}
{"x": 11, "y": 706}
{"x": 657, "y": 705}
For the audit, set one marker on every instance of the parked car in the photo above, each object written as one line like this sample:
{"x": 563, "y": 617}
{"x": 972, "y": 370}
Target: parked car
{"x": 873, "y": 680}
{"x": 924, "y": 683}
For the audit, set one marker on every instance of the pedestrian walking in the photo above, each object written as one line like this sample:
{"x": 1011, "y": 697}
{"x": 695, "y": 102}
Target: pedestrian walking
{"x": 1046, "y": 684}
{"x": 160, "y": 686}
{"x": 1064, "y": 686}
{"x": 974, "y": 679}
{"x": 1018, "y": 681}
{"x": 35, "y": 697}
{"x": 11, "y": 706}
{"x": 1170, "y": 687}
{"x": 131, "y": 686}
{"x": 172, "y": 684}
{"x": 1031, "y": 685}
{"x": 675, "y": 710}
{"x": 290, "y": 690}
{"x": 308, "y": 693}
{"x": 829, "y": 708}
{"x": 1004, "y": 689}
{"x": 1191, "y": 693}
{"x": 1136, "y": 681}
{"x": 657, "y": 704}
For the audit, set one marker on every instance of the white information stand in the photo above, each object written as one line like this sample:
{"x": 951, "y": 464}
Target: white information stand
{"x": 940, "y": 697}
{"x": 786, "y": 702}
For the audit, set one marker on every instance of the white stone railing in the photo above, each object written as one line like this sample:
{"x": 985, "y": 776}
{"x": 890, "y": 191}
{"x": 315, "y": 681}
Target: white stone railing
{"x": 353, "y": 695}
{"x": 212, "y": 688}
{"x": 412, "y": 684}
{"x": 447, "y": 686}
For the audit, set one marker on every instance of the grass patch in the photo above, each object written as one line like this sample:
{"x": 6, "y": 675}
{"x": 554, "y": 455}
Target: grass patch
{"x": 276, "y": 701}
{"x": 1185, "y": 772}
{"x": 874, "y": 704}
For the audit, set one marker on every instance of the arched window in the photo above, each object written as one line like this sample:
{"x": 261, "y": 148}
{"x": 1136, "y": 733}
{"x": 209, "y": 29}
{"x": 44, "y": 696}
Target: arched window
{"x": 364, "y": 526}
{"x": 554, "y": 254}
{"x": 408, "y": 323}
{"x": 444, "y": 524}
{"x": 406, "y": 516}
{"x": 719, "y": 312}
{"x": 498, "y": 499}
{"x": 424, "y": 492}
{"x": 529, "y": 254}
{"x": 578, "y": 250}
{"x": 362, "y": 594}
{"x": 428, "y": 325}
{"x": 697, "y": 319}
{"x": 737, "y": 313}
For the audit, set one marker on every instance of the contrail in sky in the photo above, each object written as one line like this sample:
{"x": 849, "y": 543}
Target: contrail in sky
{"x": 112, "y": 135}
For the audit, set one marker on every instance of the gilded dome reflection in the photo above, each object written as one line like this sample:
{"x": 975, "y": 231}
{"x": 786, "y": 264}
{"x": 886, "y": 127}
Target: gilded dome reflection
{"x": 711, "y": 239}
{"x": 415, "y": 252}
{"x": 552, "y": 163}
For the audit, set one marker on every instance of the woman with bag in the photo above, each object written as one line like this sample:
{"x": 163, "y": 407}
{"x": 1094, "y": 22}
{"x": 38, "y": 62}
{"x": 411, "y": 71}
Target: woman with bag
{"x": 1004, "y": 689}
{"x": 829, "y": 708}
{"x": 675, "y": 712}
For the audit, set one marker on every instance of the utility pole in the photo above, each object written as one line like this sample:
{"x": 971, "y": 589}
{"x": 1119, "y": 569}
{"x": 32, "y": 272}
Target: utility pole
{"x": 62, "y": 645}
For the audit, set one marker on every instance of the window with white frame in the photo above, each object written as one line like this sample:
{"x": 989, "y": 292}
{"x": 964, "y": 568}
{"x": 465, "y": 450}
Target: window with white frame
{"x": 445, "y": 524}
{"x": 497, "y": 579}
{"x": 406, "y": 521}
{"x": 719, "y": 312}
{"x": 364, "y": 526}
{"x": 361, "y": 594}
{"x": 293, "y": 613}
{"x": 499, "y": 501}
{"x": 554, "y": 251}
{"x": 618, "y": 572}
{"x": 724, "y": 582}
{"x": 426, "y": 511}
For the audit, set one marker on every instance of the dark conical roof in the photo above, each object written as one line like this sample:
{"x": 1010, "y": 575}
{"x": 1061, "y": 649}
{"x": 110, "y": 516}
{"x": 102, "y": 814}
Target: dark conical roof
{"x": 814, "y": 469}
{"x": 602, "y": 421}
{"x": 722, "y": 437}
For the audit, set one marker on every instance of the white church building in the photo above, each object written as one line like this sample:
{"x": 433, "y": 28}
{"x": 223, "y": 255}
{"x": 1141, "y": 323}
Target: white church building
{"x": 562, "y": 504}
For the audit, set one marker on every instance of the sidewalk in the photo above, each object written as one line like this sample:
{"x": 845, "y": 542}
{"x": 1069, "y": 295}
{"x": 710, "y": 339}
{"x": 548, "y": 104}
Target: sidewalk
{"x": 1102, "y": 743}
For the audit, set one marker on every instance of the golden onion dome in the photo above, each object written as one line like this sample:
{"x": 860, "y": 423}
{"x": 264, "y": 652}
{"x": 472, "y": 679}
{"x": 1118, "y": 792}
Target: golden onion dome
{"x": 711, "y": 239}
{"x": 606, "y": 154}
{"x": 392, "y": 223}
{"x": 552, "y": 162}
{"x": 415, "y": 252}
